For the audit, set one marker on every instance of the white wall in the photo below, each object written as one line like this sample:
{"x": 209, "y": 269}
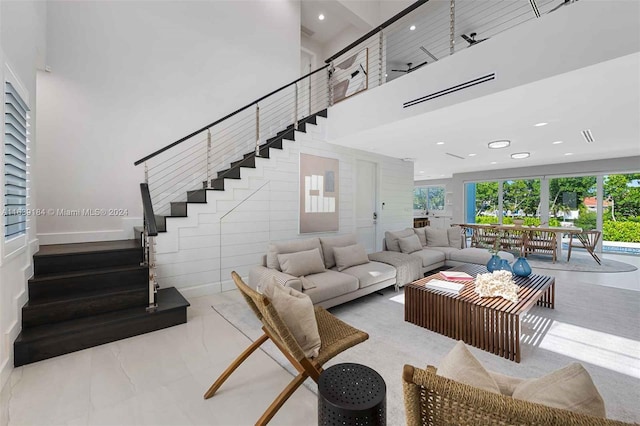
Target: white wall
{"x": 535, "y": 50}
{"x": 21, "y": 47}
{"x": 131, "y": 77}
{"x": 596, "y": 167}
{"x": 198, "y": 253}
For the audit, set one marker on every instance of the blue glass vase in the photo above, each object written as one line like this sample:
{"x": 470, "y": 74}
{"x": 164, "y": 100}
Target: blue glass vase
{"x": 521, "y": 267}
{"x": 493, "y": 263}
{"x": 504, "y": 266}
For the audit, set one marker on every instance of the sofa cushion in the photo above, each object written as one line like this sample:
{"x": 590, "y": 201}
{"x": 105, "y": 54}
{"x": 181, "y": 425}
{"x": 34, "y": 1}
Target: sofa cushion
{"x": 371, "y": 273}
{"x": 455, "y": 237}
{"x": 330, "y": 284}
{"x": 460, "y": 365}
{"x": 429, "y": 257}
{"x": 301, "y": 263}
{"x": 283, "y": 247}
{"x": 391, "y": 238}
{"x": 446, "y": 250}
{"x": 479, "y": 256}
{"x": 422, "y": 235}
{"x": 349, "y": 256}
{"x": 570, "y": 388}
{"x": 437, "y": 237}
{"x": 408, "y": 269}
{"x": 296, "y": 310}
{"x": 328, "y": 243}
{"x": 409, "y": 244}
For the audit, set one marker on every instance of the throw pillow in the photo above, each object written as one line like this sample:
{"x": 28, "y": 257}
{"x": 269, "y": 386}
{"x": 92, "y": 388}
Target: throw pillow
{"x": 410, "y": 244}
{"x": 391, "y": 238}
{"x": 455, "y": 237}
{"x": 422, "y": 235}
{"x": 349, "y": 256}
{"x": 328, "y": 243}
{"x": 293, "y": 246}
{"x": 460, "y": 365}
{"x": 296, "y": 311}
{"x": 570, "y": 388}
{"x": 301, "y": 263}
{"x": 437, "y": 237}
{"x": 507, "y": 384}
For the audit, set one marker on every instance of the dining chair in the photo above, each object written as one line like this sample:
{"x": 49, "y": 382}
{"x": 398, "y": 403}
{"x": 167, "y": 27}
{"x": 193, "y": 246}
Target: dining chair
{"x": 541, "y": 241}
{"x": 587, "y": 240}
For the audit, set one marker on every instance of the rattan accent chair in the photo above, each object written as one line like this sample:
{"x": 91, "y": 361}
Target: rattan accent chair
{"x": 434, "y": 400}
{"x": 586, "y": 240}
{"x": 335, "y": 335}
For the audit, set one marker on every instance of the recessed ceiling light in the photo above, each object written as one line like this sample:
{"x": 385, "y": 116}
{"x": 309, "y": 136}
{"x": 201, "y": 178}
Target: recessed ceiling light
{"x": 321, "y": 17}
{"x": 499, "y": 144}
{"x": 568, "y": 153}
{"x": 540, "y": 124}
{"x": 439, "y": 143}
{"x": 413, "y": 27}
{"x": 494, "y": 162}
{"x": 520, "y": 155}
{"x": 421, "y": 172}
{"x": 472, "y": 155}
{"x": 557, "y": 142}
{"x": 386, "y": 75}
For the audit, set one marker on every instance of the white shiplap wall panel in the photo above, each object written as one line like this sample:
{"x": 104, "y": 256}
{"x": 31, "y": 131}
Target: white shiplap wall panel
{"x": 198, "y": 253}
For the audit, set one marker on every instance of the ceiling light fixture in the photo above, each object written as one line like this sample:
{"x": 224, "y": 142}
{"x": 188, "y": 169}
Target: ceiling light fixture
{"x": 540, "y": 124}
{"x": 520, "y": 155}
{"x": 499, "y": 144}
{"x": 439, "y": 143}
{"x": 587, "y": 135}
{"x": 557, "y": 142}
{"x": 568, "y": 153}
{"x": 421, "y": 172}
{"x": 413, "y": 27}
{"x": 472, "y": 155}
{"x": 494, "y": 162}
{"x": 321, "y": 17}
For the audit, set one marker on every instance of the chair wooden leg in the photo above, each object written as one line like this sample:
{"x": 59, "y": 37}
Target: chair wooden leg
{"x": 570, "y": 242}
{"x": 281, "y": 399}
{"x": 235, "y": 364}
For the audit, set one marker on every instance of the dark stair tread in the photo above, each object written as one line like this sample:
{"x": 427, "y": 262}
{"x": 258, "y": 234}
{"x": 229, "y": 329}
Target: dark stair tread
{"x": 84, "y": 248}
{"x": 167, "y": 298}
{"x": 84, "y": 272}
{"x": 85, "y": 295}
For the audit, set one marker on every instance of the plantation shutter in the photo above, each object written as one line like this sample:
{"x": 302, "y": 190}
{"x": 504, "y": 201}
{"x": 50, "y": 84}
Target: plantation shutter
{"x": 15, "y": 162}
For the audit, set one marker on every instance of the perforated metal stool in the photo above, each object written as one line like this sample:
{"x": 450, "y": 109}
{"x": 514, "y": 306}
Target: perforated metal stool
{"x": 351, "y": 394}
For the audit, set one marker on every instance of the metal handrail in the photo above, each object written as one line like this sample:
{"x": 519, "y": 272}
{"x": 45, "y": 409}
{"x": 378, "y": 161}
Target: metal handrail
{"x": 147, "y": 209}
{"x": 226, "y": 117}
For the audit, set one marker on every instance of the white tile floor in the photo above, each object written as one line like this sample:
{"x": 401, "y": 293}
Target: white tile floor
{"x": 159, "y": 378}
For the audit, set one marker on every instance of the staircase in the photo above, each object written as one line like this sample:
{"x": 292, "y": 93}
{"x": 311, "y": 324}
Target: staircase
{"x": 83, "y": 295}
{"x": 199, "y": 196}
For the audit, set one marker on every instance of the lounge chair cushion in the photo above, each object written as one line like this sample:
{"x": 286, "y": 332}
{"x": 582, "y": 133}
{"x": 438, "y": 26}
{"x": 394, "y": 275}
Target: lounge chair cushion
{"x": 349, "y": 256}
{"x": 301, "y": 263}
{"x": 569, "y": 388}
{"x": 297, "y": 312}
{"x": 460, "y": 365}
{"x": 410, "y": 244}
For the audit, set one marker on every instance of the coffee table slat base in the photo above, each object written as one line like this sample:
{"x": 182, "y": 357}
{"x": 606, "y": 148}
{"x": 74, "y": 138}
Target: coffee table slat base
{"x": 491, "y": 324}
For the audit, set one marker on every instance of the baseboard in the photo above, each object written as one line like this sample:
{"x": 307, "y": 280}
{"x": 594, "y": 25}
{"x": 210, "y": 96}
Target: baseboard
{"x": 126, "y": 233}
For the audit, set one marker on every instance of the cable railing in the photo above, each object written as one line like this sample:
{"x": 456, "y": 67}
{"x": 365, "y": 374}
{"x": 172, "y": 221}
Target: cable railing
{"x": 423, "y": 33}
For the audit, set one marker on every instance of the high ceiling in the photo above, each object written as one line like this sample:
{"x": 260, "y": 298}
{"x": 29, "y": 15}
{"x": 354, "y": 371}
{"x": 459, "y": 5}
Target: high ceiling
{"x": 334, "y": 23}
{"x": 604, "y": 98}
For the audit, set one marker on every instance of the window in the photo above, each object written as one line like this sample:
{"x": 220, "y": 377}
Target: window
{"x": 429, "y": 198}
{"x": 16, "y": 123}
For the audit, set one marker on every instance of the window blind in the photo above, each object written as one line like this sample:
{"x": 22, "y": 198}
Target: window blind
{"x": 16, "y": 119}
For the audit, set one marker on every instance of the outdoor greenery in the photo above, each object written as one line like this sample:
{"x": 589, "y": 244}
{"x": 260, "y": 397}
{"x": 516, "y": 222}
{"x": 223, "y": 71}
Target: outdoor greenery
{"x": 428, "y": 198}
{"x": 521, "y": 198}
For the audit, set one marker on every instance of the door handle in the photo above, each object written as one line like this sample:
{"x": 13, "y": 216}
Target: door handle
{"x": 375, "y": 215}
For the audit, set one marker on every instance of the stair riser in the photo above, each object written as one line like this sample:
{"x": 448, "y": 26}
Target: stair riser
{"x": 77, "y": 285}
{"x": 48, "y": 313}
{"x": 26, "y": 353}
{"x": 78, "y": 262}
{"x": 179, "y": 209}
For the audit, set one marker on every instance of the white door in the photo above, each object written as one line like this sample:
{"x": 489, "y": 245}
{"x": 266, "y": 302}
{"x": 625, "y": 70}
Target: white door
{"x": 366, "y": 214}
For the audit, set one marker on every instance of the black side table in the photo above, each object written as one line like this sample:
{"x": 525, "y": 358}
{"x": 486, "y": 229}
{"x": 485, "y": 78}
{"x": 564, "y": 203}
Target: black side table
{"x": 351, "y": 394}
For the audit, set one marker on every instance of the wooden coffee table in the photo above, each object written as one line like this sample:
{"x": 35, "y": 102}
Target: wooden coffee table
{"x": 490, "y": 323}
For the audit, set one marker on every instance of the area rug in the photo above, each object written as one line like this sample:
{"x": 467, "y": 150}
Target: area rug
{"x": 580, "y": 262}
{"x": 593, "y": 325}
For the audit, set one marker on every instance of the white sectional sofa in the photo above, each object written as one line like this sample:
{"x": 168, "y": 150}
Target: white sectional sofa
{"x": 329, "y": 279}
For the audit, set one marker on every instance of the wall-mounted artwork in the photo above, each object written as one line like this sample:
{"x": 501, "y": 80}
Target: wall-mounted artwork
{"x": 319, "y": 194}
{"x": 351, "y": 76}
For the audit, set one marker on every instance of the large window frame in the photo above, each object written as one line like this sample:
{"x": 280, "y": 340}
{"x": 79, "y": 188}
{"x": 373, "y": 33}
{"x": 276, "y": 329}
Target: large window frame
{"x": 435, "y": 199}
